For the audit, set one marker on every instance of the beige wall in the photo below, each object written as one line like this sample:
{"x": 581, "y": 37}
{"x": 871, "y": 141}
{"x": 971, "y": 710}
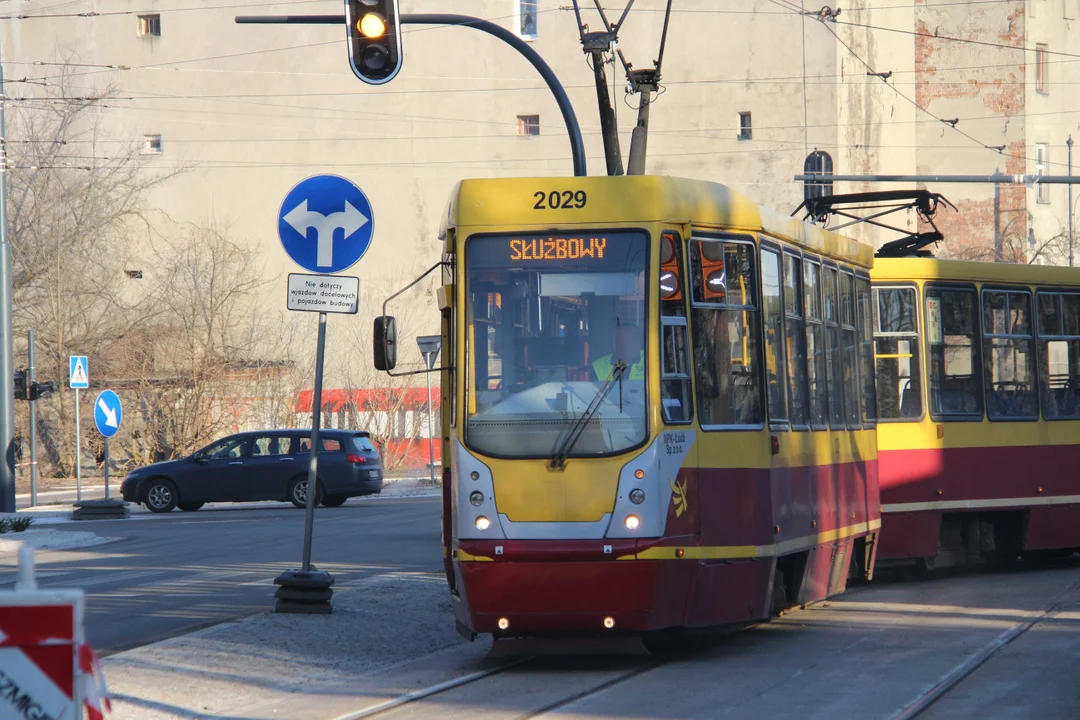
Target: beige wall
{"x": 251, "y": 110}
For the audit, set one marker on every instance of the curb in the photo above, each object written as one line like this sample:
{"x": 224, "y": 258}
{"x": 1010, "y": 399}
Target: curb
{"x": 51, "y": 540}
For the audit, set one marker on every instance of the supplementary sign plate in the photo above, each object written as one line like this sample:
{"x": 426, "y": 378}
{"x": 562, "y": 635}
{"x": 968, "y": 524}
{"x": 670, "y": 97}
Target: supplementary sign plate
{"x": 324, "y": 293}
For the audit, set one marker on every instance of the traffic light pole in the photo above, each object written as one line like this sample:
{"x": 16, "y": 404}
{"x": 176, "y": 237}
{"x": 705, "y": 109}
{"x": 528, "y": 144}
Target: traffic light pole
{"x": 33, "y": 420}
{"x": 577, "y": 145}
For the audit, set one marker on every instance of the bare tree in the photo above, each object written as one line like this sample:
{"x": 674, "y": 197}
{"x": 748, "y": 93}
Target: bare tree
{"x": 73, "y": 204}
{"x": 200, "y": 363}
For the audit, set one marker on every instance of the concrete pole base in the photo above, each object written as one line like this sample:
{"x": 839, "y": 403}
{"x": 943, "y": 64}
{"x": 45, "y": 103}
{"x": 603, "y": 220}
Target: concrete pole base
{"x": 304, "y": 592}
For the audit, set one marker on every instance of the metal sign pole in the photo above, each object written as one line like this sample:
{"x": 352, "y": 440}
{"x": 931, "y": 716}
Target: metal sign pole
{"x": 33, "y": 421}
{"x": 316, "y": 418}
{"x": 78, "y": 452}
{"x": 106, "y": 468}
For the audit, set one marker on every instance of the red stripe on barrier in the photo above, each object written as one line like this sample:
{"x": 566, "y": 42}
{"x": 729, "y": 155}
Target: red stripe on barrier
{"x": 36, "y": 624}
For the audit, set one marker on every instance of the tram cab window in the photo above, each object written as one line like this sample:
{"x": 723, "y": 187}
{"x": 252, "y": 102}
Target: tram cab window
{"x": 1059, "y": 354}
{"x": 726, "y": 333}
{"x": 815, "y": 348}
{"x": 795, "y": 341}
{"x": 550, "y": 320}
{"x": 773, "y": 319}
{"x": 896, "y": 354}
{"x": 829, "y": 287}
{"x": 953, "y": 354}
{"x": 1008, "y": 354}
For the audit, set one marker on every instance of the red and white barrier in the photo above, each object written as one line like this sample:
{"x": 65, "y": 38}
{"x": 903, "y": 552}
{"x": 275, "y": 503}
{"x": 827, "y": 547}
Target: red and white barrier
{"x": 47, "y": 671}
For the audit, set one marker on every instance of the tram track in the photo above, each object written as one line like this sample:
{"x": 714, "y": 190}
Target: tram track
{"x": 435, "y": 690}
{"x": 954, "y": 678}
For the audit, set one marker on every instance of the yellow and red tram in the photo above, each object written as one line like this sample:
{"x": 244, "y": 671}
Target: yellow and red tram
{"x": 658, "y": 406}
{"x": 978, "y": 383}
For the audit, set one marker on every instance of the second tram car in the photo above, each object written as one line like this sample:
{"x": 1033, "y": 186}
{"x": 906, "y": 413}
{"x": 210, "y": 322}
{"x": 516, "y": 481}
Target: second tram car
{"x": 658, "y": 406}
{"x": 978, "y": 381}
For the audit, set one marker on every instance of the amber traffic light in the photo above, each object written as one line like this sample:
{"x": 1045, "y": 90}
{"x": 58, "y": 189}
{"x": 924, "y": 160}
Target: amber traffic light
{"x": 374, "y": 33}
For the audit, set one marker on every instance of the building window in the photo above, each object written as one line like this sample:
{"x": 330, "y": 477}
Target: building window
{"x": 151, "y": 145}
{"x": 818, "y": 162}
{"x": 149, "y": 25}
{"x": 745, "y": 130}
{"x": 1042, "y": 192}
{"x": 525, "y": 18}
{"x": 1040, "y": 69}
{"x": 528, "y": 124}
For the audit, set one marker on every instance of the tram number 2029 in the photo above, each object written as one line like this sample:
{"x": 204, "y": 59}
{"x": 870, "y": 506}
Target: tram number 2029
{"x": 556, "y": 200}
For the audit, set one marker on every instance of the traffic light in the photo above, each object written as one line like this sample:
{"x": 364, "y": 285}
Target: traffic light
{"x": 42, "y": 390}
{"x": 374, "y": 32}
{"x": 20, "y": 385}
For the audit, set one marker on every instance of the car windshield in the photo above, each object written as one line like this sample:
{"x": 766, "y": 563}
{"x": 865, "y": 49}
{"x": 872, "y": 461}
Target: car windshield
{"x": 549, "y": 318}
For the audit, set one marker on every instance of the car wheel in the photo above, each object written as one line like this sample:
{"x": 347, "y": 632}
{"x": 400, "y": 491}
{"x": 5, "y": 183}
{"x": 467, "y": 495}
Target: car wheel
{"x": 334, "y": 500}
{"x": 190, "y": 507}
{"x": 298, "y": 492}
{"x": 160, "y": 495}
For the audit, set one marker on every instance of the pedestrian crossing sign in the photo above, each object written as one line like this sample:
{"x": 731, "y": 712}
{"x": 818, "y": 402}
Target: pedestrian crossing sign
{"x": 79, "y": 377}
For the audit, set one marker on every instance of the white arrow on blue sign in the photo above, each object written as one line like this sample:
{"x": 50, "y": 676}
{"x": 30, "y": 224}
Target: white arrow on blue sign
{"x": 79, "y": 375}
{"x": 326, "y": 224}
{"x": 108, "y": 413}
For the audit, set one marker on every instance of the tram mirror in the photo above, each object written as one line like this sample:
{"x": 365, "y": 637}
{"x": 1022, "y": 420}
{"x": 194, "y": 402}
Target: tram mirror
{"x": 384, "y": 343}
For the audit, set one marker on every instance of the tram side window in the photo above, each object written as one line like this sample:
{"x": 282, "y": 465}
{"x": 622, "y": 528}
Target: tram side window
{"x": 866, "y": 350}
{"x": 675, "y": 400}
{"x": 1008, "y": 353}
{"x": 850, "y": 369}
{"x": 1059, "y": 354}
{"x": 815, "y": 347}
{"x": 725, "y": 327}
{"x": 832, "y": 347}
{"x": 953, "y": 355}
{"x": 795, "y": 341}
{"x": 896, "y": 354}
{"x": 773, "y": 316}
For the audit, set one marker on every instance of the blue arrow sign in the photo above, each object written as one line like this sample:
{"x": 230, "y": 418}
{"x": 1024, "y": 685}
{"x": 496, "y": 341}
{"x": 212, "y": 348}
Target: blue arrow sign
{"x": 108, "y": 413}
{"x": 79, "y": 375}
{"x": 326, "y": 224}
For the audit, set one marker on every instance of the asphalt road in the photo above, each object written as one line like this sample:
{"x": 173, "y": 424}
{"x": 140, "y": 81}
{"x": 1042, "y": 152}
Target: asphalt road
{"x": 173, "y": 573}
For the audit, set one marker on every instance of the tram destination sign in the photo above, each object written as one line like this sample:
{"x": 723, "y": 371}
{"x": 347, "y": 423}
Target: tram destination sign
{"x": 604, "y": 249}
{"x": 324, "y": 293}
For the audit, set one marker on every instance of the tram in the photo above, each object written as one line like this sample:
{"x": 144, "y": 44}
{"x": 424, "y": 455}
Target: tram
{"x": 658, "y": 406}
{"x": 978, "y": 384}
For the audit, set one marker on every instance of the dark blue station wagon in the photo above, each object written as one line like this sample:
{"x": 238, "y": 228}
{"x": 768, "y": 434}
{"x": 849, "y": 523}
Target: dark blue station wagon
{"x": 263, "y": 465}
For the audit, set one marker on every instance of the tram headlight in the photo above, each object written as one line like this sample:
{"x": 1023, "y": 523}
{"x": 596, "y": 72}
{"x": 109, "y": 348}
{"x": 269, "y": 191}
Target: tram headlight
{"x": 482, "y": 523}
{"x": 637, "y": 496}
{"x": 476, "y": 498}
{"x": 474, "y": 475}
{"x": 631, "y": 522}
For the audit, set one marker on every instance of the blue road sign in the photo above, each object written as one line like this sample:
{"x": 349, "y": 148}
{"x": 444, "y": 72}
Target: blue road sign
{"x": 108, "y": 413}
{"x": 326, "y": 224}
{"x": 79, "y": 375}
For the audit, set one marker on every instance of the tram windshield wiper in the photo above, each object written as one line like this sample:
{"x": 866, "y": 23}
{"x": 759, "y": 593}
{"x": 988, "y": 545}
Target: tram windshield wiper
{"x": 558, "y": 459}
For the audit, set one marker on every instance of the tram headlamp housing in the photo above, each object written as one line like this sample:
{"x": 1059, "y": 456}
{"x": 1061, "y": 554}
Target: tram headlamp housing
{"x": 476, "y": 498}
{"x": 637, "y": 496}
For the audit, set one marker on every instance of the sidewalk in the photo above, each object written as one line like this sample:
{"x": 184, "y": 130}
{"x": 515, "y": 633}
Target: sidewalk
{"x": 389, "y": 634}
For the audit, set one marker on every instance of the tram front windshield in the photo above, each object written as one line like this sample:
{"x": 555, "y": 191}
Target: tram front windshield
{"x": 550, "y": 318}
